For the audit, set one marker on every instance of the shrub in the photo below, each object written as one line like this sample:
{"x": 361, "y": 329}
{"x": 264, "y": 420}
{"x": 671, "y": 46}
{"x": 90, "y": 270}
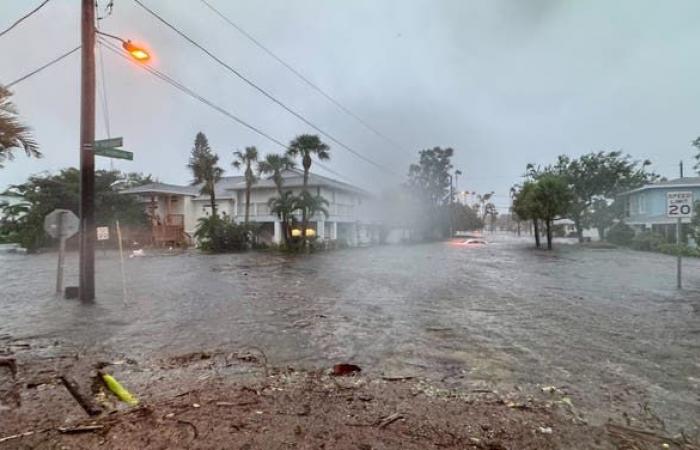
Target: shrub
{"x": 621, "y": 234}
{"x": 673, "y": 249}
{"x": 648, "y": 241}
{"x": 222, "y": 234}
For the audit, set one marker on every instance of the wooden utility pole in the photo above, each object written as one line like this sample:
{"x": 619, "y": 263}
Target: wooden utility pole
{"x": 87, "y": 155}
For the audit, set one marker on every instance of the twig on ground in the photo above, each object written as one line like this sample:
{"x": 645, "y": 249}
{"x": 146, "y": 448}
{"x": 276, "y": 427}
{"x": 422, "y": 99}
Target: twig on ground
{"x": 80, "y": 429}
{"x": 19, "y": 435}
{"x": 388, "y": 420}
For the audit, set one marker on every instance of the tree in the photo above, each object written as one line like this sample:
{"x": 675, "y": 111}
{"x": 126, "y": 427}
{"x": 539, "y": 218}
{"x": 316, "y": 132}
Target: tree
{"x": 275, "y": 164}
{"x": 305, "y": 146}
{"x": 247, "y": 159}
{"x": 524, "y": 206}
{"x": 603, "y": 214}
{"x": 205, "y": 171}
{"x": 44, "y": 193}
{"x": 13, "y": 134}
{"x": 284, "y": 207}
{"x": 464, "y": 218}
{"x": 594, "y": 176}
{"x": 430, "y": 178}
{"x": 310, "y": 205}
{"x": 696, "y": 144}
{"x": 551, "y": 198}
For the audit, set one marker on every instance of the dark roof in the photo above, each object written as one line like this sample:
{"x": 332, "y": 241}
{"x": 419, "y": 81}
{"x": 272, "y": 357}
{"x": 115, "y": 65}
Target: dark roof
{"x": 687, "y": 182}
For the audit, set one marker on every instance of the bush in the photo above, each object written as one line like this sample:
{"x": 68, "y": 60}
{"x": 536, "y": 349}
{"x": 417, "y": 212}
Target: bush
{"x": 621, "y": 234}
{"x": 673, "y": 249}
{"x": 648, "y": 241}
{"x": 222, "y": 234}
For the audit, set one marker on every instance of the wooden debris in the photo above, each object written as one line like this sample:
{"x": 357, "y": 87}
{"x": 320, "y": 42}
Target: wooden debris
{"x": 17, "y": 436}
{"x": 84, "y": 401}
{"x": 80, "y": 429}
{"x": 388, "y": 420}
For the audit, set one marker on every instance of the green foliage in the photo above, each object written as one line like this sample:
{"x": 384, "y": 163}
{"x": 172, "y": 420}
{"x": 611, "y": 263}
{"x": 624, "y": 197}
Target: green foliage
{"x": 274, "y": 164}
{"x": 430, "y": 178}
{"x": 13, "y": 134}
{"x": 648, "y": 241}
{"x": 696, "y": 144}
{"x": 465, "y": 218}
{"x": 310, "y": 205}
{"x": 305, "y": 146}
{"x": 247, "y": 159}
{"x": 205, "y": 170}
{"x": 621, "y": 234}
{"x": 221, "y": 234}
{"x": 44, "y": 193}
{"x": 604, "y": 214}
{"x": 546, "y": 198}
{"x": 593, "y": 176}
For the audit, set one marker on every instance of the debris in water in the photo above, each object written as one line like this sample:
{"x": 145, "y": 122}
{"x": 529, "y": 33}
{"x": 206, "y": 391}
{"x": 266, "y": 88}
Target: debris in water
{"x": 341, "y": 370}
{"x": 545, "y": 430}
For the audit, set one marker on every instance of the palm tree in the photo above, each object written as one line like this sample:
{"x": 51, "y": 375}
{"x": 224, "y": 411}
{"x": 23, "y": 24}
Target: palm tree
{"x": 205, "y": 171}
{"x": 275, "y": 164}
{"x": 310, "y": 205}
{"x": 13, "y": 134}
{"x": 283, "y": 206}
{"x": 306, "y": 146}
{"x": 246, "y": 158}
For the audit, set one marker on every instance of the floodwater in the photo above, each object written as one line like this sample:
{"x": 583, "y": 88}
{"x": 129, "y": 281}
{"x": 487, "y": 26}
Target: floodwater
{"x": 608, "y": 326}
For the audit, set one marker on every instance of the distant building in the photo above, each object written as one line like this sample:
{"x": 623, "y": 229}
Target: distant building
{"x": 645, "y": 207}
{"x": 174, "y": 209}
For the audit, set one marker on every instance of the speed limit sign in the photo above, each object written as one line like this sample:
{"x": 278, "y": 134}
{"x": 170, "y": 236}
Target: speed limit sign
{"x": 679, "y": 204}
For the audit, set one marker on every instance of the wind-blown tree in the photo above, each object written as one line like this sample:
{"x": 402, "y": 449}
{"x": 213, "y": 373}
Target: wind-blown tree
{"x": 310, "y": 205}
{"x": 246, "y": 159}
{"x": 594, "y": 176}
{"x": 306, "y": 146}
{"x": 13, "y": 134}
{"x": 696, "y": 144}
{"x": 551, "y": 199}
{"x": 604, "y": 213}
{"x": 275, "y": 164}
{"x": 205, "y": 170}
{"x": 525, "y": 208}
{"x": 429, "y": 184}
{"x": 284, "y": 207}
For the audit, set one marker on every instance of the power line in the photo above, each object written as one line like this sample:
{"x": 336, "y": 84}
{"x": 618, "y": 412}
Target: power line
{"x": 48, "y": 64}
{"x": 301, "y": 76}
{"x": 167, "y": 79}
{"x": 263, "y": 91}
{"x": 23, "y": 18}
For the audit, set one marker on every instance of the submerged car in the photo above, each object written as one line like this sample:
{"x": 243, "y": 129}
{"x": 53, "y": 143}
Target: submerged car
{"x": 473, "y": 242}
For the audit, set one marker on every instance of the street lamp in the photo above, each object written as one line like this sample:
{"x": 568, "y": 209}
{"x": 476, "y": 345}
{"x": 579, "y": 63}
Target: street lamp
{"x": 138, "y": 53}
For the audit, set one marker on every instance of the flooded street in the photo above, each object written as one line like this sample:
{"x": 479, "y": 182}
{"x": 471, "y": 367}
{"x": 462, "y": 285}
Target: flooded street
{"x": 606, "y": 325}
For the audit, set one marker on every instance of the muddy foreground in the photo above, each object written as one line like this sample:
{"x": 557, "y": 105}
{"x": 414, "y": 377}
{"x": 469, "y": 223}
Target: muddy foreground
{"x": 234, "y": 400}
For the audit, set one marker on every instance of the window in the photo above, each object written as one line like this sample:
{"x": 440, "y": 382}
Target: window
{"x": 642, "y": 204}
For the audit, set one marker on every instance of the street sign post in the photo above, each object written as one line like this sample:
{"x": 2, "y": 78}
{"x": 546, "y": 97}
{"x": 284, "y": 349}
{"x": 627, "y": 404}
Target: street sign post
{"x": 61, "y": 224}
{"x": 114, "y": 153}
{"x": 102, "y": 233}
{"x": 679, "y": 205}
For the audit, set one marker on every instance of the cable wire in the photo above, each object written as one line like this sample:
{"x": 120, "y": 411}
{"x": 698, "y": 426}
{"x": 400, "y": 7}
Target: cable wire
{"x": 167, "y": 79}
{"x": 263, "y": 91}
{"x": 23, "y": 18}
{"x": 48, "y": 64}
{"x": 299, "y": 75}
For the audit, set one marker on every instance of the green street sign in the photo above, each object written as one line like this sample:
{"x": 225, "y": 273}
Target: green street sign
{"x": 109, "y": 143}
{"x": 114, "y": 153}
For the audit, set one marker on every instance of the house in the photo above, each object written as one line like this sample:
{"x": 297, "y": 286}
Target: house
{"x": 645, "y": 207}
{"x": 174, "y": 209}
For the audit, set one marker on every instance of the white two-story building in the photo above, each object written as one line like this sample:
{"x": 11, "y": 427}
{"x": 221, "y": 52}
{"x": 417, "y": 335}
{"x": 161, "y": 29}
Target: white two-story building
{"x": 175, "y": 209}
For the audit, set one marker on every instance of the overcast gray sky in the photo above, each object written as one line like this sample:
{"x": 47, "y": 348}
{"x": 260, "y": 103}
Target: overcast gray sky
{"x": 503, "y": 82}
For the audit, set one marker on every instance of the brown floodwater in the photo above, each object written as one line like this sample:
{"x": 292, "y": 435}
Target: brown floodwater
{"x": 608, "y": 326}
